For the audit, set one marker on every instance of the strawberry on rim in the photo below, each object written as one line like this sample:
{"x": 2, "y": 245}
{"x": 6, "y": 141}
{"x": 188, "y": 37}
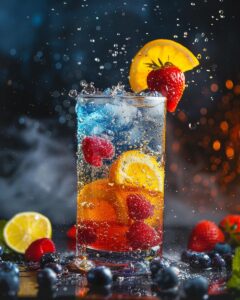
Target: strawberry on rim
{"x": 159, "y": 66}
{"x": 169, "y": 80}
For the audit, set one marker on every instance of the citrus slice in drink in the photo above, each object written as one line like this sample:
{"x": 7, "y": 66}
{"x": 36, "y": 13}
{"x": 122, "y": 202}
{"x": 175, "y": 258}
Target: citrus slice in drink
{"x": 24, "y": 228}
{"x": 155, "y": 51}
{"x": 98, "y": 202}
{"x": 136, "y": 169}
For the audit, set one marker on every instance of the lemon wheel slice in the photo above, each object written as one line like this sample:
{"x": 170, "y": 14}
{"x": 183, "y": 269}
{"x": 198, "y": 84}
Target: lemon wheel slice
{"x": 166, "y": 51}
{"x": 24, "y": 228}
{"x": 136, "y": 169}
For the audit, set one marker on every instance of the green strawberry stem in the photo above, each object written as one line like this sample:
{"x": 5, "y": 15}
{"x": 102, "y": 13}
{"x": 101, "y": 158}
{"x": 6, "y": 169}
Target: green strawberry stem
{"x": 232, "y": 236}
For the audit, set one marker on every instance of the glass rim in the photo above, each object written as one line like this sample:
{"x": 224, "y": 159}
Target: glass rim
{"x": 122, "y": 97}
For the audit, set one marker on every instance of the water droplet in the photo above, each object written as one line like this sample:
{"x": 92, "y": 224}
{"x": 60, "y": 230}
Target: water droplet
{"x": 73, "y": 93}
{"x": 199, "y": 56}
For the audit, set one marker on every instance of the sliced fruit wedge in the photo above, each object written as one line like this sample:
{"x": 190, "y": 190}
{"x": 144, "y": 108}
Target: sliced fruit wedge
{"x": 98, "y": 202}
{"x": 166, "y": 51}
{"x": 136, "y": 169}
{"x": 24, "y": 228}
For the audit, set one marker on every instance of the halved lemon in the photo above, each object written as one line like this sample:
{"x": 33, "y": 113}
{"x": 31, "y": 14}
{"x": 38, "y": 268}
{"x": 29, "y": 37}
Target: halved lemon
{"x": 166, "y": 51}
{"x": 24, "y": 228}
{"x": 136, "y": 169}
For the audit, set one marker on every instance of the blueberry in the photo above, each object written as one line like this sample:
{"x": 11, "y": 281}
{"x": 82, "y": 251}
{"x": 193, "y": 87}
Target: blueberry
{"x": 200, "y": 261}
{"x": 1, "y": 250}
{"x": 223, "y": 248}
{"x": 156, "y": 265}
{"x": 9, "y": 267}
{"x": 49, "y": 258}
{"x": 9, "y": 283}
{"x": 103, "y": 291}
{"x": 57, "y": 268}
{"x": 218, "y": 262}
{"x": 195, "y": 288}
{"x": 187, "y": 255}
{"x": 166, "y": 278}
{"x": 46, "y": 278}
{"x": 228, "y": 257}
{"x": 100, "y": 276}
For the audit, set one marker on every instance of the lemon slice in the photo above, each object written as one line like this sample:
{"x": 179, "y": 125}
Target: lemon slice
{"x": 24, "y": 228}
{"x": 136, "y": 169}
{"x": 166, "y": 51}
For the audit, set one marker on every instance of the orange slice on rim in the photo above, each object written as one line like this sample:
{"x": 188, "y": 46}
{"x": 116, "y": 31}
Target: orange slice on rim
{"x": 166, "y": 51}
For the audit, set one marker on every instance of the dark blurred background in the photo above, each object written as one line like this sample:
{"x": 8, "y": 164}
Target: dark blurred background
{"x": 48, "y": 47}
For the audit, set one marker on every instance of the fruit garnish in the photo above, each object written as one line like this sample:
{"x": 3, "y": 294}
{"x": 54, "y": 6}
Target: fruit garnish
{"x": 57, "y": 268}
{"x": 136, "y": 169}
{"x": 98, "y": 201}
{"x": 46, "y": 279}
{"x": 218, "y": 262}
{"x": 231, "y": 227}
{"x": 24, "y": 228}
{"x": 71, "y": 233}
{"x": 49, "y": 256}
{"x": 170, "y": 81}
{"x": 38, "y": 248}
{"x": 195, "y": 288}
{"x": 87, "y": 233}
{"x": 100, "y": 276}
{"x": 95, "y": 149}
{"x": 163, "y": 54}
{"x": 142, "y": 236}
{"x": 205, "y": 235}
{"x": 156, "y": 265}
{"x": 139, "y": 208}
{"x": 166, "y": 279}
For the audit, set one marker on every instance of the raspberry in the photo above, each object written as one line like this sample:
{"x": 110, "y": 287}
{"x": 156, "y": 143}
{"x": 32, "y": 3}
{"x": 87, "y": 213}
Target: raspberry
{"x": 95, "y": 149}
{"x": 138, "y": 207}
{"x": 142, "y": 236}
{"x": 39, "y": 247}
{"x": 87, "y": 233}
{"x": 71, "y": 233}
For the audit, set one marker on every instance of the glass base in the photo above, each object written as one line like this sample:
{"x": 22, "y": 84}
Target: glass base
{"x": 122, "y": 263}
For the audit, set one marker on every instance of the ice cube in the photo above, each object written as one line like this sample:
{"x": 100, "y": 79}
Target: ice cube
{"x": 121, "y": 114}
{"x": 91, "y": 124}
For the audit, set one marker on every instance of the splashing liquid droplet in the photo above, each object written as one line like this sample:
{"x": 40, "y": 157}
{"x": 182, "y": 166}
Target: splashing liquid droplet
{"x": 73, "y": 93}
{"x": 199, "y": 56}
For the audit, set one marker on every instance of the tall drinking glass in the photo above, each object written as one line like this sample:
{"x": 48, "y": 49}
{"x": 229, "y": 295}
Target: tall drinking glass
{"x": 121, "y": 158}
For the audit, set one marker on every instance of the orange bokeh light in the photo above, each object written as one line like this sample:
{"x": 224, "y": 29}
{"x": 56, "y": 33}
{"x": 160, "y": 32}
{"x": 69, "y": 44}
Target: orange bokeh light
{"x": 216, "y": 145}
{"x": 224, "y": 126}
{"x": 229, "y": 84}
{"x": 230, "y": 152}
